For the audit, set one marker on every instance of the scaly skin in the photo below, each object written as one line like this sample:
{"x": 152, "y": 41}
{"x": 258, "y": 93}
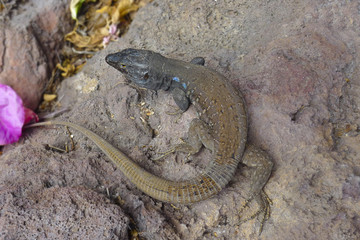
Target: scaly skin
{"x": 222, "y": 126}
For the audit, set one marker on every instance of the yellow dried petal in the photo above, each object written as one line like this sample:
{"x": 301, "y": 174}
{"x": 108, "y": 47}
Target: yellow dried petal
{"x": 68, "y": 70}
{"x": 104, "y": 9}
{"x": 49, "y": 97}
{"x": 77, "y": 68}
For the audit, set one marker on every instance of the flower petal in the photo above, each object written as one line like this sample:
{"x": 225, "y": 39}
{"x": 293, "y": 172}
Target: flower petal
{"x": 12, "y": 115}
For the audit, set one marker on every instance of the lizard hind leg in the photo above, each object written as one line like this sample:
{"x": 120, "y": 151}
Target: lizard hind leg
{"x": 198, "y": 135}
{"x": 261, "y": 166}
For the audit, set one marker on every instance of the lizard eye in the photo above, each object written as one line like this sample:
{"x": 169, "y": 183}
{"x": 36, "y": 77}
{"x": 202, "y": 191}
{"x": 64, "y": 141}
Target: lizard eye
{"x": 146, "y": 76}
{"x": 123, "y": 65}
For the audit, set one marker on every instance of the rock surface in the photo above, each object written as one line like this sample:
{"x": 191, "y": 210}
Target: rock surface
{"x": 29, "y": 45}
{"x": 40, "y": 199}
{"x": 297, "y": 64}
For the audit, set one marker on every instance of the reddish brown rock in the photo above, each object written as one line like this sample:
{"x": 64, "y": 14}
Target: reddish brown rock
{"x": 61, "y": 213}
{"x": 29, "y": 44}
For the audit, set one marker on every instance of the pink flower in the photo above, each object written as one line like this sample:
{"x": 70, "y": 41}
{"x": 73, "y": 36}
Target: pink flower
{"x": 112, "y": 35}
{"x": 106, "y": 40}
{"x": 13, "y": 115}
{"x": 113, "y": 29}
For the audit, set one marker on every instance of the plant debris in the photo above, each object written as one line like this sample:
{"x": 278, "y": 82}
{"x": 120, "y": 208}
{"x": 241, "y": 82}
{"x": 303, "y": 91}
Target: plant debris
{"x": 97, "y": 23}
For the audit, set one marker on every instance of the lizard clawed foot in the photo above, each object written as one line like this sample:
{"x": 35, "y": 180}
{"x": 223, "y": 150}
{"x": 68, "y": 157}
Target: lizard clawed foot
{"x": 182, "y": 147}
{"x": 264, "y": 202}
{"x": 164, "y": 154}
{"x": 177, "y": 112}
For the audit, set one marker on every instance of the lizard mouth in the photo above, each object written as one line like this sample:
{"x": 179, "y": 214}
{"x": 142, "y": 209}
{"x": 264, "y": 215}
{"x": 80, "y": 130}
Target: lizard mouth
{"x": 115, "y": 61}
{"x": 123, "y": 70}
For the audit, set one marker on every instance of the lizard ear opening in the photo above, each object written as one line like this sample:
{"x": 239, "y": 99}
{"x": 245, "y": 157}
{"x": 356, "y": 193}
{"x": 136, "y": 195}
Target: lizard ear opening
{"x": 198, "y": 61}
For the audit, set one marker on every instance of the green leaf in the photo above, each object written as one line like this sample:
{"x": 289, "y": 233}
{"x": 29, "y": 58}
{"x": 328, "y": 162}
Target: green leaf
{"x": 75, "y": 6}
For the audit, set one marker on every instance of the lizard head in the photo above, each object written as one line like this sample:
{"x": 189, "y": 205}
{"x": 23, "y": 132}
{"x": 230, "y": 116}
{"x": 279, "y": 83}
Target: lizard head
{"x": 135, "y": 65}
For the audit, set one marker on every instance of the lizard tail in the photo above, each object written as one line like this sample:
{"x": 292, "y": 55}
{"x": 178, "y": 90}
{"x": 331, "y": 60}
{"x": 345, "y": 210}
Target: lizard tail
{"x": 215, "y": 177}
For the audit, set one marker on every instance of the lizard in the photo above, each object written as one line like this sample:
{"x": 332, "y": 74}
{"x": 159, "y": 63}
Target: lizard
{"x": 221, "y": 127}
